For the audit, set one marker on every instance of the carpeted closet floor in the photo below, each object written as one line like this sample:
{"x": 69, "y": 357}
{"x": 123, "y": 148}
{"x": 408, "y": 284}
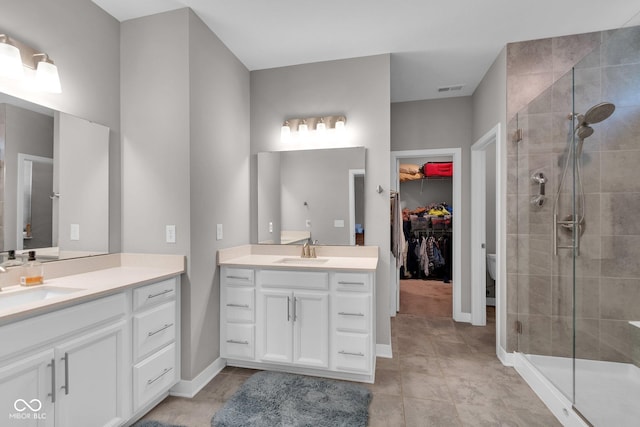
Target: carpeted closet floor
{"x": 428, "y": 298}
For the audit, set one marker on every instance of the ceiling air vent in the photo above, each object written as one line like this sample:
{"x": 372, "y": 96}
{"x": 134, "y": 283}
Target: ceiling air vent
{"x": 450, "y": 88}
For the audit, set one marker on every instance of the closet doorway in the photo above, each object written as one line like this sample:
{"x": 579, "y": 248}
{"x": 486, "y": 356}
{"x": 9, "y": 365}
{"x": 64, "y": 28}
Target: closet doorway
{"x": 429, "y": 275}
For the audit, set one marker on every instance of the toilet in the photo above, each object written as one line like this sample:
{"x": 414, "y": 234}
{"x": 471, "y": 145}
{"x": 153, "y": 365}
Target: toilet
{"x": 491, "y": 265}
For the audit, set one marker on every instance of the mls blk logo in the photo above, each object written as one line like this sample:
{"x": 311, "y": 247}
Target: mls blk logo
{"x": 28, "y": 410}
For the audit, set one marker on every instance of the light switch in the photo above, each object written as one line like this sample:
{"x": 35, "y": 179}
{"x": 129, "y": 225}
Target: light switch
{"x": 75, "y": 232}
{"x": 218, "y": 231}
{"x": 171, "y": 234}
{"x": 338, "y": 223}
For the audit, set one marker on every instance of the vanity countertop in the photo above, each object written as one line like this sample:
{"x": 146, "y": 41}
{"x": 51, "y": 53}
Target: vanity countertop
{"x": 359, "y": 258}
{"x": 99, "y": 276}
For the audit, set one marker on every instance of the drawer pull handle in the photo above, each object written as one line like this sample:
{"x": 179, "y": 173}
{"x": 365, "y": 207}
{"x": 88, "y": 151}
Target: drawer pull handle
{"x": 166, "y": 291}
{"x": 166, "y": 325}
{"x": 342, "y": 313}
{"x": 238, "y": 342}
{"x": 351, "y": 354}
{"x": 342, "y": 282}
{"x": 53, "y": 380}
{"x": 238, "y": 305}
{"x": 164, "y": 372}
{"x": 238, "y": 278}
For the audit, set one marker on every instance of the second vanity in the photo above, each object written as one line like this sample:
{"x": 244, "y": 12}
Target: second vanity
{"x": 97, "y": 344}
{"x": 312, "y": 316}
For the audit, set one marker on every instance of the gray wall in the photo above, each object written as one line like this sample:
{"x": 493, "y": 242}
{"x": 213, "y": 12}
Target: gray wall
{"x": 443, "y": 123}
{"x": 185, "y": 159}
{"x": 84, "y": 42}
{"x": 358, "y": 88}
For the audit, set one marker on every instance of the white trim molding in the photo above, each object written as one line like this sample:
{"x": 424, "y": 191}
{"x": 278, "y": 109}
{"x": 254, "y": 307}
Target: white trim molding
{"x": 384, "y": 350}
{"x": 456, "y": 154}
{"x": 189, "y": 388}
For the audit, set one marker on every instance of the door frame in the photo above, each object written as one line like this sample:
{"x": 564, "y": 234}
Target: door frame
{"x": 478, "y": 232}
{"x": 456, "y": 154}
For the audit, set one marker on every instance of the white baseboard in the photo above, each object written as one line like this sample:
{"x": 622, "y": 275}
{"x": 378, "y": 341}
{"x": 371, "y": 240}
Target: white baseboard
{"x": 462, "y": 317}
{"x": 504, "y": 357}
{"x": 384, "y": 350}
{"x": 557, "y": 403}
{"x": 189, "y": 388}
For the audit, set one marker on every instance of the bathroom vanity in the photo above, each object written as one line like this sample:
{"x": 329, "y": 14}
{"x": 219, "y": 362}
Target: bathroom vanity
{"x": 313, "y": 316}
{"x": 97, "y": 344}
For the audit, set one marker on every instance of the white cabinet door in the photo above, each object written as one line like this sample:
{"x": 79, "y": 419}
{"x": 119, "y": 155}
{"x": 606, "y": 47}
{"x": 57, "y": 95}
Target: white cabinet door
{"x": 90, "y": 379}
{"x": 276, "y": 330}
{"x": 311, "y": 329}
{"x": 26, "y": 398}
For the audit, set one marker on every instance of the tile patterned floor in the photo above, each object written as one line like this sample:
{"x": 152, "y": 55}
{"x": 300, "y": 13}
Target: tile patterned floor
{"x": 443, "y": 373}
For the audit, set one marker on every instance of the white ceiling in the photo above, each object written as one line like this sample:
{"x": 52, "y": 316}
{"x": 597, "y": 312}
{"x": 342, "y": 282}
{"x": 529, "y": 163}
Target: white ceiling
{"x": 432, "y": 43}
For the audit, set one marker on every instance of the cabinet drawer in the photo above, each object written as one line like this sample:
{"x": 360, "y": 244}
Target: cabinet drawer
{"x": 156, "y": 293}
{"x": 352, "y": 352}
{"x": 239, "y": 342}
{"x": 352, "y": 313}
{"x": 154, "y": 376}
{"x": 237, "y": 276}
{"x": 294, "y": 279}
{"x": 358, "y": 282}
{"x": 153, "y": 329}
{"x": 239, "y": 304}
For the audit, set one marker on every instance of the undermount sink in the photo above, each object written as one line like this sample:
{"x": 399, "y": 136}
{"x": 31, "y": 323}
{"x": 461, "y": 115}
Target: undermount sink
{"x": 301, "y": 261}
{"x": 18, "y": 297}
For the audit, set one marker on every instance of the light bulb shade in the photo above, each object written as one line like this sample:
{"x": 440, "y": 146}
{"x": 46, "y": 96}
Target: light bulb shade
{"x": 285, "y": 132}
{"x": 340, "y": 124}
{"x": 303, "y": 128}
{"x": 320, "y": 126}
{"x": 47, "y": 78}
{"x": 10, "y": 61}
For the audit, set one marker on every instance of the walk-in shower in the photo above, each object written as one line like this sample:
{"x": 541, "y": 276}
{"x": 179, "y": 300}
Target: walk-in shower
{"x": 573, "y": 264}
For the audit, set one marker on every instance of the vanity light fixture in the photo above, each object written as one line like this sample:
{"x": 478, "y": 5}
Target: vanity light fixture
{"x": 10, "y": 60}
{"x": 312, "y": 128}
{"x": 14, "y": 55}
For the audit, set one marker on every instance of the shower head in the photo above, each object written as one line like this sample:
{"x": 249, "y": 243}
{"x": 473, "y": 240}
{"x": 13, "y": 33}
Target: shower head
{"x": 597, "y": 113}
{"x": 584, "y": 131}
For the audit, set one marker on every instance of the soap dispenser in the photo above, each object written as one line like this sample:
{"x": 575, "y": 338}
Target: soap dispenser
{"x": 11, "y": 260}
{"x": 32, "y": 272}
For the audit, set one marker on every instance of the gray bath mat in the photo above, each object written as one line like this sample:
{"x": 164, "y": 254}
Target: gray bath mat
{"x": 269, "y": 399}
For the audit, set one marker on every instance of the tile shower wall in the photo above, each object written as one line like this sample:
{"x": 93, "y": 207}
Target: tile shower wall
{"x": 607, "y": 68}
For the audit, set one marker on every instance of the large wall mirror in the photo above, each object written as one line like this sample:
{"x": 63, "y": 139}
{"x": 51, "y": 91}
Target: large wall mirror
{"x": 311, "y": 195}
{"x": 55, "y": 182}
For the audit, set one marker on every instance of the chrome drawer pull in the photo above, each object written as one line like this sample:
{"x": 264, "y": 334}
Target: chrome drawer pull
{"x": 164, "y": 372}
{"x": 351, "y": 354}
{"x": 238, "y": 342}
{"x": 66, "y": 373}
{"x": 166, "y": 325}
{"x": 238, "y": 277}
{"x": 53, "y": 380}
{"x": 342, "y": 313}
{"x": 238, "y": 305}
{"x": 350, "y": 283}
{"x": 166, "y": 291}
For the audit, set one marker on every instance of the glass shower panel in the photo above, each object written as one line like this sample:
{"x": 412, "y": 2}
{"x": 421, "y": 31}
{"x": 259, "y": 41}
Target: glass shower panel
{"x": 606, "y": 176}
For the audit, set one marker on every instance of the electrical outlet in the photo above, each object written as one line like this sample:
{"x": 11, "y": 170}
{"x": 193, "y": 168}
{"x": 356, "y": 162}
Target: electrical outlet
{"x": 308, "y": 223}
{"x": 171, "y": 234}
{"x": 218, "y": 231}
{"x": 75, "y": 232}
{"x": 270, "y": 227}
{"x": 338, "y": 223}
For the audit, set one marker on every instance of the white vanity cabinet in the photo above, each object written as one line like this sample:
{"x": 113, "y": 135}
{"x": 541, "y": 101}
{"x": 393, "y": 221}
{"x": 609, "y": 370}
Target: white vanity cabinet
{"x": 309, "y": 320}
{"x": 69, "y": 366}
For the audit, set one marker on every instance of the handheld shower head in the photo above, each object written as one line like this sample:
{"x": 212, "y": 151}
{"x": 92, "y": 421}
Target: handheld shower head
{"x": 584, "y": 131}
